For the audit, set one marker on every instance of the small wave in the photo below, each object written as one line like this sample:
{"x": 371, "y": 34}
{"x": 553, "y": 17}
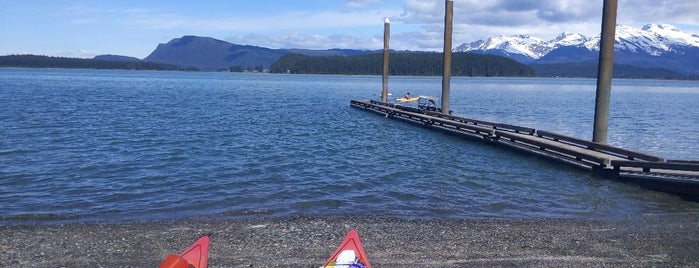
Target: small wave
{"x": 39, "y": 218}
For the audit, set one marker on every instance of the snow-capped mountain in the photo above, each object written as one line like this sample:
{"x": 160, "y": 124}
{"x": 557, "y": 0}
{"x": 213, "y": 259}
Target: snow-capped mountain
{"x": 530, "y": 47}
{"x": 654, "y": 45}
{"x": 652, "y": 39}
{"x": 569, "y": 39}
{"x": 526, "y": 45}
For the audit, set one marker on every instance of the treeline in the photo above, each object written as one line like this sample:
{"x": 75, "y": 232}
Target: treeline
{"x": 241, "y": 69}
{"x": 589, "y": 70}
{"x": 35, "y": 61}
{"x": 402, "y": 63}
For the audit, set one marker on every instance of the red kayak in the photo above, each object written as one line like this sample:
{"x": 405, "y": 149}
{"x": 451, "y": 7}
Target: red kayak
{"x": 350, "y": 253}
{"x": 197, "y": 256}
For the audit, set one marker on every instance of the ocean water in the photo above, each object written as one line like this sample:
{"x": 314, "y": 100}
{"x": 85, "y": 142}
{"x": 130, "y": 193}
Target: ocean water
{"x": 120, "y": 146}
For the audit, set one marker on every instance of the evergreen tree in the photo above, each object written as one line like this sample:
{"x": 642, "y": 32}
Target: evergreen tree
{"x": 34, "y": 61}
{"x": 401, "y": 63}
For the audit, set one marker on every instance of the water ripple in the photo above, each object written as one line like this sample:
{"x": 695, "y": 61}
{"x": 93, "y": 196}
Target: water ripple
{"x": 93, "y": 146}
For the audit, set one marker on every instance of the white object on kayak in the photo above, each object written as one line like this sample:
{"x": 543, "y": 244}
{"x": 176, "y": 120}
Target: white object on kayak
{"x": 345, "y": 259}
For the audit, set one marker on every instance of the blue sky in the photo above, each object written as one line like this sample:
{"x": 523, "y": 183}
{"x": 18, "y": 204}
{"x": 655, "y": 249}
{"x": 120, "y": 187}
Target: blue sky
{"x": 85, "y": 28}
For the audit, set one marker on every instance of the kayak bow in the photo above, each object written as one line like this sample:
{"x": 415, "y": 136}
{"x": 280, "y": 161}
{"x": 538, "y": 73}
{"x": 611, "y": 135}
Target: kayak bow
{"x": 349, "y": 254}
{"x": 197, "y": 256}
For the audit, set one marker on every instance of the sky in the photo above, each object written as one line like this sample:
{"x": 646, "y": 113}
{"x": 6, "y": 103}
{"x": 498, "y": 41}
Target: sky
{"x": 86, "y": 28}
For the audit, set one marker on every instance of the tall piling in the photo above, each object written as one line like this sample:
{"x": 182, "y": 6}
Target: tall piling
{"x": 386, "y": 36}
{"x": 446, "y": 75}
{"x": 604, "y": 72}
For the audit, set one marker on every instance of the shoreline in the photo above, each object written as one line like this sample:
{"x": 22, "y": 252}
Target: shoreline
{"x": 668, "y": 239}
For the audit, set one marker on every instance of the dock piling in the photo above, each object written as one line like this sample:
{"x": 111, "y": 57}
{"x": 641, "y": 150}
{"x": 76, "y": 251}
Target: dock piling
{"x": 604, "y": 72}
{"x": 446, "y": 76}
{"x": 386, "y": 35}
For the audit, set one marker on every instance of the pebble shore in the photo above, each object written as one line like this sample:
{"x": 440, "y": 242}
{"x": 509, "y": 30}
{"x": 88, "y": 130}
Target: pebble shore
{"x": 669, "y": 240}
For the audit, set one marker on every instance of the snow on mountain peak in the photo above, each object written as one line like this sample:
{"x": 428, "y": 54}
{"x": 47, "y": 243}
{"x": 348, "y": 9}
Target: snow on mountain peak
{"x": 569, "y": 39}
{"x": 662, "y": 27}
{"x": 652, "y": 39}
{"x": 639, "y": 40}
{"x": 672, "y": 34}
{"x": 518, "y": 44}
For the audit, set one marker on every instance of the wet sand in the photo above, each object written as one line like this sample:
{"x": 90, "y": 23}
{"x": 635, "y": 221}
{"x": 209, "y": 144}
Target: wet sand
{"x": 668, "y": 240}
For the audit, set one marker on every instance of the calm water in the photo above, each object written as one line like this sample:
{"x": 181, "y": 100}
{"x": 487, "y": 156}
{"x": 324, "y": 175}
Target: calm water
{"x": 114, "y": 146}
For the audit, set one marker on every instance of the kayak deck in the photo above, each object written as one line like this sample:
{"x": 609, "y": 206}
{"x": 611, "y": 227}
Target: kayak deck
{"x": 349, "y": 254}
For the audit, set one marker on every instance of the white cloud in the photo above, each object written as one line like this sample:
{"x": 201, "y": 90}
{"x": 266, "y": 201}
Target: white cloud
{"x": 415, "y": 24}
{"x": 359, "y": 3}
{"x": 478, "y": 19}
{"x": 422, "y": 12}
{"x": 668, "y": 11}
{"x": 419, "y": 25}
{"x": 307, "y": 21}
{"x": 82, "y": 9}
{"x": 308, "y": 41}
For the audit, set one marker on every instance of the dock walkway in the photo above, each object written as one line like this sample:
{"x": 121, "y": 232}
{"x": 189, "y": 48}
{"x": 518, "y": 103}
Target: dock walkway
{"x": 675, "y": 176}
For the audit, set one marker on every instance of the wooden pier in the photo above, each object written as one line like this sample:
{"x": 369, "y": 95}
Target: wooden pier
{"x": 673, "y": 176}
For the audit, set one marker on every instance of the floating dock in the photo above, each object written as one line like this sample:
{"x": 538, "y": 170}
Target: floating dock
{"x": 674, "y": 176}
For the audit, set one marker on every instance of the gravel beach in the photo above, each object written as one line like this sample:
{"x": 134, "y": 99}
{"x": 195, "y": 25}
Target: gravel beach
{"x": 667, "y": 240}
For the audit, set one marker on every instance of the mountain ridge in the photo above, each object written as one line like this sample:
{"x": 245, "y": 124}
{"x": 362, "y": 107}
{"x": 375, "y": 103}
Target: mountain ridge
{"x": 655, "y": 46}
{"x": 652, "y": 46}
{"x": 210, "y": 54}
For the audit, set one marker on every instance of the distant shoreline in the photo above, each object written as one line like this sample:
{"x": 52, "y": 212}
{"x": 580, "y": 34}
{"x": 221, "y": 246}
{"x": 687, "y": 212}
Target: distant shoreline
{"x": 532, "y": 77}
{"x": 34, "y": 61}
{"x": 541, "y": 70}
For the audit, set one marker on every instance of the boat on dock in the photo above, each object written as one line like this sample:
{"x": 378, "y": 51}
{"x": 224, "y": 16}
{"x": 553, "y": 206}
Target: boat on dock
{"x": 422, "y": 102}
{"x": 407, "y": 99}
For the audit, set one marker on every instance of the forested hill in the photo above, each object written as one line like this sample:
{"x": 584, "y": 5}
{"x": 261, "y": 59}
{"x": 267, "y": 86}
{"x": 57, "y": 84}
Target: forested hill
{"x": 34, "y": 61}
{"x": 618, "y": 71}
{"x": 402, "y": 63}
